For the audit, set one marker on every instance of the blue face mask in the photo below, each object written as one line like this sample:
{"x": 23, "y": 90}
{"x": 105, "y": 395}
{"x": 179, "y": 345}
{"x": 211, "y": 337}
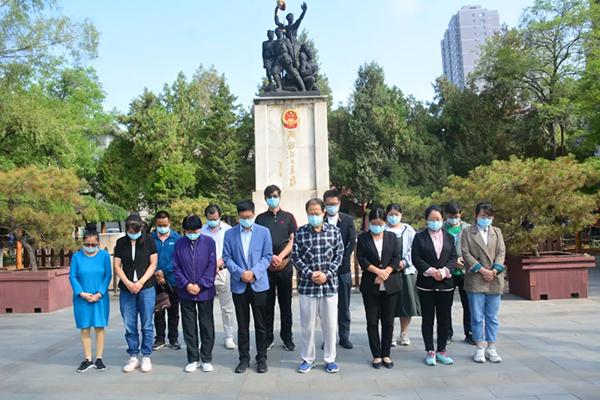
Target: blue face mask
{"x": 453, "y": 221}
{"x": 90, "y": 250}
{"x": 332, "y": 210}
{"x": 246, "y": 222}
{"x": 192, "y": 236}
{"x": 434, "y": 225}
{"x": 163, "y": 230}
{"x": 315, "y": 220}
{"x": 273, "y": 202}
{"x": 393, "y": 219}
{"x": 213, "y": 223}
{"x": 484, "y": 222}
{"x": 376, "y": 229}
{"x": 134, "y": 236}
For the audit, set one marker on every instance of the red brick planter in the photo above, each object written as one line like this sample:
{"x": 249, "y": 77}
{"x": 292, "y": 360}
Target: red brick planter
{"x": 552, "y": 275}
{"x": 45, "y": 290}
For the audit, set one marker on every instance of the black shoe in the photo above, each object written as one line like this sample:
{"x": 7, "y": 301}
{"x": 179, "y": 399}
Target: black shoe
{"x": 158, "y": 344}
{"x": 377, "y": 365}
{"x": 346, "y": 344}
{"x": 261, "y": 367}
{"x": 85, "y": 365}
{"x": 389, "y": 365}
{"x": 322, "y": 346}
{"x": 469, "y": 340}
{"x": 100, "y": 365}
{"x": 270, "y": 345}
{"x": 175, "y": 345}
{"x": 242, "y": 367}
{"x": 289, "y": 345}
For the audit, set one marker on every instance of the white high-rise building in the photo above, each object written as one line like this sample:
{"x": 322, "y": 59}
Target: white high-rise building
{"x": 461, "y": 45}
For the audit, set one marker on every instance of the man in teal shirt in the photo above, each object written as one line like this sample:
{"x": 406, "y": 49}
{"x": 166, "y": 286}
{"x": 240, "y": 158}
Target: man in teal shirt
{"x": 165, "y": 238}
{"x": 455, "y": 226}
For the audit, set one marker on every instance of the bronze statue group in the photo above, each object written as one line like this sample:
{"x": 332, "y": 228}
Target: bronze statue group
{"x": 289, "y": 65}
{"x": 176, "y": 272}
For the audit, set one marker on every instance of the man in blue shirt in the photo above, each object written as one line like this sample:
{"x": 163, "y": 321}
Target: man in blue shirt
{"x": 165, "y": 238}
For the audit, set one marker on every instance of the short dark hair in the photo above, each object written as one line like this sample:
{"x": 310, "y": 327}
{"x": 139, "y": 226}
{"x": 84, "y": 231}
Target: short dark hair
{"x": 211, "y": 209}
{"x": 452, "y": 207}
{"x": 89, "y": 233}
{"x": 192, "y": 222}
{"x": 162, "y": 214}
{"x": 486, "y": 207}
{"x": 134, "y": 222}
{"x": 332, "y": 193}
{"x": 377, "y": 213}
{"x": 433, "y": 208}
{"x": 317, "y": 201}
{"x": 269, "y": 190}
{"x": 393, "y": 206}
{"x": 245, "y": 205}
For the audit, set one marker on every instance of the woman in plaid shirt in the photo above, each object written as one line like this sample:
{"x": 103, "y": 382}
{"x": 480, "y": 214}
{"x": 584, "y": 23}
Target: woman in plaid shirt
{"x": 317, "y": 254}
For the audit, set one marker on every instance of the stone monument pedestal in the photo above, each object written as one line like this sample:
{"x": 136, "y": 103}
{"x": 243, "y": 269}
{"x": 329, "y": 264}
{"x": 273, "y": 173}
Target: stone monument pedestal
{"x": 291, "y": 150}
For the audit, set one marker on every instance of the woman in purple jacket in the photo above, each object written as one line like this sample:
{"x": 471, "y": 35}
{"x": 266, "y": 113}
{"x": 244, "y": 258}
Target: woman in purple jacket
{"x": 195, "y": 268}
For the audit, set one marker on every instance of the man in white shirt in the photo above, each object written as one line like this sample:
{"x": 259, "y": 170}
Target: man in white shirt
{"x": 215, "y": 228}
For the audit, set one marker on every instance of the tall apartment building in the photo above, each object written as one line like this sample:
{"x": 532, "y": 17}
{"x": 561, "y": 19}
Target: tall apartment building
{"x": 462, "y": 41}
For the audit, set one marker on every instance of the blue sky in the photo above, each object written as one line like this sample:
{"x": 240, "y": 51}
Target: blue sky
{"x": 146, "y": 43}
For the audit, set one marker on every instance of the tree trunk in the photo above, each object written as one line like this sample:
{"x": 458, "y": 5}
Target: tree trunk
{"x": 31, "y": 254}
{"x": 552, "y": 136}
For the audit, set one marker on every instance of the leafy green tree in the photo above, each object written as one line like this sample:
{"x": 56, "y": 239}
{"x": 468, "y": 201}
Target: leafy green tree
{"x": 539, "y": 63}
{"x": 371, "y": 137}
{"x": 589, "y": 85}
{"x": 535, "y": 199}
{"x": 42, "y": 207}
{"x": 190, "y": 140}
{"x": 35, "y": 36}
{"x": 54, "y": 121}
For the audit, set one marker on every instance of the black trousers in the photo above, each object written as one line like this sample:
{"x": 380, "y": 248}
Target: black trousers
{"x": 257, "y": 301}
{"x": 160, "y": 317}
{"x": 194, "y": 313}
{"x": 381, "y": 306}
{"x": 459, "y": 282}
{"x": 280, "y": 288}
{"x": 435, "y": 305}
{"x": 344, "y": 291}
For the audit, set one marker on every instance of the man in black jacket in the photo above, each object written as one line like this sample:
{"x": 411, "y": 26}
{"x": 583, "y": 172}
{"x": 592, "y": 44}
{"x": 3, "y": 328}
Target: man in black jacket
{"x": 345, "y": 224}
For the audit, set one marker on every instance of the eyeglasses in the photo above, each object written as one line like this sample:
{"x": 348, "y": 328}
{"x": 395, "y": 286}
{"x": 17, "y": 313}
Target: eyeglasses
{"x": 90, "y": 244}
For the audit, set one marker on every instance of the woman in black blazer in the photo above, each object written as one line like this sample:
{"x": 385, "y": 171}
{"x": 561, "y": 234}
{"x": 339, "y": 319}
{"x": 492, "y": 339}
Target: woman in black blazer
{"x": 378, "y": 254}
{"x": 434, "y": 256}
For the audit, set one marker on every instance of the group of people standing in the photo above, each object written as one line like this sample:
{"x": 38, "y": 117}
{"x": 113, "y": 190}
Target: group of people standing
{"x": 249, "y": 267}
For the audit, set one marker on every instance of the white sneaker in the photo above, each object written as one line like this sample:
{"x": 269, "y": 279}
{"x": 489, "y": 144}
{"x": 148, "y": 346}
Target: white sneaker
{"x": 207, "y": 367}
{"x": 394, "y": 343}
{"x": 146, "y": 364}
{"x": 131, "y": 365}
{"x": 492, "y": 355}
{"x": 229, "y": 344}
{"x": 479, "y": 356}
{"x": 404, "y": 340}
{"x": 191, "y": 367}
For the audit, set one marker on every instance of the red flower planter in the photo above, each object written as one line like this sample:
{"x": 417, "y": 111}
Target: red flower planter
{"x": 45, "y": 290}
{"x": 552, "y": 275}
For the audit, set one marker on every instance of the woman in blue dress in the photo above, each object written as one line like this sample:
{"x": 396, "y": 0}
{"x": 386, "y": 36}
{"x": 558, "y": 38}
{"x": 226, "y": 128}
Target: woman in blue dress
{"x": 90, "y": 276}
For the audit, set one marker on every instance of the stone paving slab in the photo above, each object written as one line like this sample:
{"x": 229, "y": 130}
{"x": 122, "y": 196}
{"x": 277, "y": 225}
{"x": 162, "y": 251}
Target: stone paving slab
{"x": 551, "y": 351}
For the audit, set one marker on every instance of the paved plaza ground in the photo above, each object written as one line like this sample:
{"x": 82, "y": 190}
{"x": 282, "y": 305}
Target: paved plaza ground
{"x": 551, "y": 351}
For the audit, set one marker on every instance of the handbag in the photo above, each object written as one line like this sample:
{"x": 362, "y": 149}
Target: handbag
{"x": 163, "y": 300}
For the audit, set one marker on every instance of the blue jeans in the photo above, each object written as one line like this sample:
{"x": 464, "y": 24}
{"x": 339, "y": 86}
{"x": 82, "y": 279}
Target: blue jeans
{"x": 484, "y": 308}
{"x": 131, "y": 305}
